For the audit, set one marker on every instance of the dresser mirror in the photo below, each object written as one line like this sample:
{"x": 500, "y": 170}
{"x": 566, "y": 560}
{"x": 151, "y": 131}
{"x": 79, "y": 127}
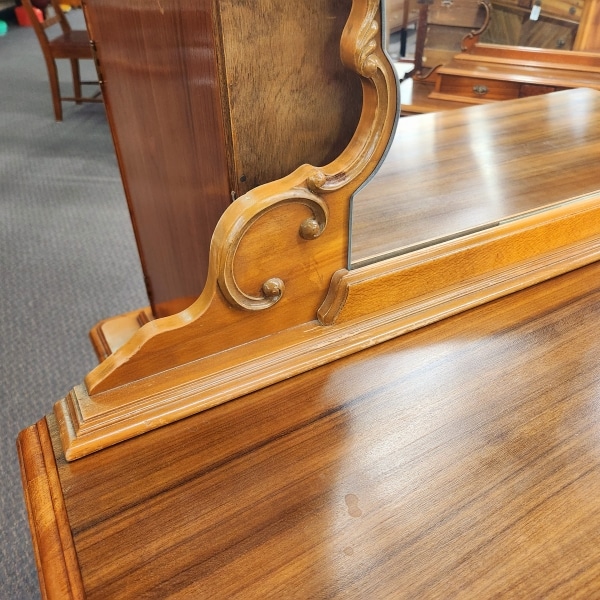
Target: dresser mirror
{"x": 405, "y": 207}
{"x": 280, "y": 296}
{"x": 450, "y": 174}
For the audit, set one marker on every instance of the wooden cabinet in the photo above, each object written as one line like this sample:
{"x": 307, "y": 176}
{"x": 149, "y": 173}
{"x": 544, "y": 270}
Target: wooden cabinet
{"x": 207, "y": 100}
{"x": 447, "y": 24}
{"x": 488, "y": 73}
{"x": 517, "y": 23}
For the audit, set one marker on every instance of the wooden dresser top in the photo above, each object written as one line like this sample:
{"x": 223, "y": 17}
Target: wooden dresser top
{"x": 460, "y": 460}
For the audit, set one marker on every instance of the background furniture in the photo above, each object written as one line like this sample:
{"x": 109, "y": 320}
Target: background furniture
{"x": 447, "y": 24}
{"x": 72, "y": 45}
{"x": 555, "y": 27}
{"x": 488, "y": 73}
{"x": 400, "y": 16}
{"x": 490, "y": 67}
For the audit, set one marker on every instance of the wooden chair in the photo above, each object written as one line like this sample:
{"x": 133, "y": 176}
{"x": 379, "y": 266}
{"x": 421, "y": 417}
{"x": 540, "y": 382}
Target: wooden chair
{"x": 72, "y": 44}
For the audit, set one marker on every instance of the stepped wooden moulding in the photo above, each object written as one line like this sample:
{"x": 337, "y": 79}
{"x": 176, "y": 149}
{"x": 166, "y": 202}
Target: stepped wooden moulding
{"x": 281, "y": 295}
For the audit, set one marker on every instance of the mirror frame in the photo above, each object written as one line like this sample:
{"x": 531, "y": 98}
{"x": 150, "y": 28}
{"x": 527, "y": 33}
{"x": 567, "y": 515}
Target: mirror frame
{"x": 279, "y": 286}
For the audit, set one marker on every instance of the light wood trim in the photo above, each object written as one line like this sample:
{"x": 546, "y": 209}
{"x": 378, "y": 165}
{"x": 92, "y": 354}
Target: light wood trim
{"x": 306, "y": 213}
{"x": 363, "y": 308}
{"x": 569, "y": 60}
{"x": 55, "y": 555}
{"x": 110, "y": 334}
{"x": 588, "y": 33}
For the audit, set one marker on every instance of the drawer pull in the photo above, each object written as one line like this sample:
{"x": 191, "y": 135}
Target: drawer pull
{"x": 480, "y": 90}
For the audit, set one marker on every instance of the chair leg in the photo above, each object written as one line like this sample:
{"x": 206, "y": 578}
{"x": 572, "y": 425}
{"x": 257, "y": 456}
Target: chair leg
{"x": 54, "y": 89}
{"x": 76, "y": 79}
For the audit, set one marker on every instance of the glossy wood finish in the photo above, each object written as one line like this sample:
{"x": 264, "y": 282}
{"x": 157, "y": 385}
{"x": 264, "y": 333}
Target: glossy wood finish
{"x": 489, "y": 72}
{"x": 205, "y": 101}
{"x": 161, "y": 88}
{"x": 461, "y": 460}
{"x": 455, "y": 171}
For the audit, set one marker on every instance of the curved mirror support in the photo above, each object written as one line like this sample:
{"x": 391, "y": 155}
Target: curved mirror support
{"x": 272, "y": 258}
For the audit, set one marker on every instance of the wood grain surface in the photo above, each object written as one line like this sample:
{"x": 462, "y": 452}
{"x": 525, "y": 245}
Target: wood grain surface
{"x": 290, "y": 99}
{"x": 162, "y": 95}
{"x": 459, "y": 461}
{"x": 453, "y": 171}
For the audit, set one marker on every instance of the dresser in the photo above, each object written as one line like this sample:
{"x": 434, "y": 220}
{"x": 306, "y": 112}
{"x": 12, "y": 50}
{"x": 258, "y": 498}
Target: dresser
{"x": 461, "y": 460}
{"x": 330, "y": 420}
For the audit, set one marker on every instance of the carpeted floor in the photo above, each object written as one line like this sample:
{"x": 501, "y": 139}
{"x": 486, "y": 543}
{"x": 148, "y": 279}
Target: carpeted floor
{"x": 67, "y": 260}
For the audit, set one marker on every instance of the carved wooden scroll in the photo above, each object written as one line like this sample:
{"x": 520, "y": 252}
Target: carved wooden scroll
{"x": 272, "y": 258}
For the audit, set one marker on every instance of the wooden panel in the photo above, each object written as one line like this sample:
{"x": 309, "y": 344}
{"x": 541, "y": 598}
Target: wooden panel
{"x": 437, "y": 464}
{"x": 291, "y": 99}
{"x": 442, "y": 43}
{"x": 588, "y": 35}
{"x": 504, "y": 28}
{"x": 546, "y": 33}
{"x": 456, "y": 13}
{"x": 511, "y": 25}
{"x": 561, "y": 9}
{"x": 564, "y": 9}
{"x": 162, "y": 97}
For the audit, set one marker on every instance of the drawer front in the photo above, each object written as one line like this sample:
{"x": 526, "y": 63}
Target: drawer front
{"x": 478, "y": 89}
{"x": 529, "y": 89}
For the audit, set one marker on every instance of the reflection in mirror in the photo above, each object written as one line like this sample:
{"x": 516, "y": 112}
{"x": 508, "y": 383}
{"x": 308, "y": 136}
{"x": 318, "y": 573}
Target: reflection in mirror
{"x": 401, "y": 19}
{"x": 455, "y": 172}
{"x": 450, "y": 174}
{"x": 549, "y": 24}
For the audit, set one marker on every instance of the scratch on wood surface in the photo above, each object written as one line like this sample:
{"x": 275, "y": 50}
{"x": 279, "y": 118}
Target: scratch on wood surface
{"x": 162, "y": 10}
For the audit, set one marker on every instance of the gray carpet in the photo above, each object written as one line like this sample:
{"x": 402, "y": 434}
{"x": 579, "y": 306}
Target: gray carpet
{"x": 67, "y": 260}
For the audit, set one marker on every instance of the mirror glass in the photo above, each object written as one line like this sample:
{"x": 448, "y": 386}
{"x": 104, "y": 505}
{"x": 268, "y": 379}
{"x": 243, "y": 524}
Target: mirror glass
{"x": 455, "y": 172}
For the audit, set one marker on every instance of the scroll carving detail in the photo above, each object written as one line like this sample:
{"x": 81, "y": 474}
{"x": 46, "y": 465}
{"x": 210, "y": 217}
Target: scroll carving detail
{"x": 272, "y": 289}
{"x": 185, "y": 363}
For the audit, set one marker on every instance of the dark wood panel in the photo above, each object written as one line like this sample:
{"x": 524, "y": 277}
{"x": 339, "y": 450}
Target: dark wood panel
{"x": 461, "y": 460}
{"x": 163, "y": 101}
{"x": 291, "y": 100}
